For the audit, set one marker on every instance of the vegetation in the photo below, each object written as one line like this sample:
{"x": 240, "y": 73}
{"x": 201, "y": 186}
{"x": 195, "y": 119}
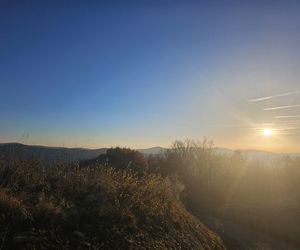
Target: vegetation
{"x": 120, "y": 158}
{"x": 123, "y": 200}
{"x": 265, "y": 197}
{"x": 94, "y": 207}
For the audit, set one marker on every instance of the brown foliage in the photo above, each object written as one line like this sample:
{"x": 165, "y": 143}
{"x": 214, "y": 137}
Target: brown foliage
{"x": 63, "y": 207}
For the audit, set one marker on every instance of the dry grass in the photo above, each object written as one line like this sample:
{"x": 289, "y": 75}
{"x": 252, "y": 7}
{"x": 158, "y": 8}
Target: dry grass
{"x": 94, "y": 208}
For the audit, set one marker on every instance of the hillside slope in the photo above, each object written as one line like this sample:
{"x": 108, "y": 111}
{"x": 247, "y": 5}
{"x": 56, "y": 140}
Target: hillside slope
{"x": 94, "y": 208}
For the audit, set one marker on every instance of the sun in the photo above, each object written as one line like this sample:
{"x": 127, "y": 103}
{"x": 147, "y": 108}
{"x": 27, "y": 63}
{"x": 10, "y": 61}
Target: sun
{"x": 268, "y": 132}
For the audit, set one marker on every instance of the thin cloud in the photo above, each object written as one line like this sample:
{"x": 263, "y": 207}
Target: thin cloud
{"x": 287, "y": 116}
{"x": 288, "y": 128}
{"x": 260, "y": 99}
{"x": 274, "y": 96}
{"x": 288, "y": 121}
{"x": 282, "y": 107}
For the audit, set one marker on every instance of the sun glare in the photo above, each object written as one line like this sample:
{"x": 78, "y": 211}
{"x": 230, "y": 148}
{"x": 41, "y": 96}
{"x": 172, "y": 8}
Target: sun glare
{"x": 267, "y": 131}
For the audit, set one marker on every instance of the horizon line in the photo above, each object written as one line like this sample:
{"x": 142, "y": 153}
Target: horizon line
{"x": 84, "y": 148}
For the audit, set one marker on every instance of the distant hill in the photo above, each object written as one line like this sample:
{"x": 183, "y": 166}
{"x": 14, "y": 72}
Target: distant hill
{"x": 56, "y": 154}
{"x": 47, "y": 154}
{"x": 152, "y": 151}
{"x": 260, "y": 155}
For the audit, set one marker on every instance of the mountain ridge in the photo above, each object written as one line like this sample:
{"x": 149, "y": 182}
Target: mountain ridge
{"x": 54, "y": 153}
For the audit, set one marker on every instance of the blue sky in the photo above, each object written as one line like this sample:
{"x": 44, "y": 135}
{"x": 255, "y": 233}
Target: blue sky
{"x": 144, "y": 73}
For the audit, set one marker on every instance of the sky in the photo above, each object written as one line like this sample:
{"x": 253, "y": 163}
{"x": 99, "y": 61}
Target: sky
{"x": 146, "y": 73}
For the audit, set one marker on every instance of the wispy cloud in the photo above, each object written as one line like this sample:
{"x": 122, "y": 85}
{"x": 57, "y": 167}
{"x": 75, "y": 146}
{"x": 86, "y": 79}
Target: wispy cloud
{"x": 287, "y": 116}
{"x": 282, "y": 107}
{"x": 288, "y": 121}
{"x": 273, "y": 96}
{"x": 287, "y": 128}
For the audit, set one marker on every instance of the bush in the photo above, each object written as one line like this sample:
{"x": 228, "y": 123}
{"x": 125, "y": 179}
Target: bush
{"x": 120, "y": 158}
{"x": 94, "y": 207}
{"x": 260, "y": 194}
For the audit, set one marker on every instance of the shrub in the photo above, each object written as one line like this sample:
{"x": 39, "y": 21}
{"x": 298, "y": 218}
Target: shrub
{"x": 95, "y": 207}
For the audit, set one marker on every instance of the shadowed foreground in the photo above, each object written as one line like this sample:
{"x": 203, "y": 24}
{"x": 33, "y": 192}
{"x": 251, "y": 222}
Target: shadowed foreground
{"x": 241, "y": 237}
{"x": 94, "y": 208}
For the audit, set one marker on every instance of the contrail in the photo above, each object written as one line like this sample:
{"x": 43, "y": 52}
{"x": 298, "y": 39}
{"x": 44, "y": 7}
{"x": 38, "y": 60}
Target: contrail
{"x": 282, "y": 107}
{"x": 287, "y": 116}
{"x": 260, "y": 99}
{"x": 289, "y": 121}
{"x": 273, "y": 96}
{"x": 288, "y": 128}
